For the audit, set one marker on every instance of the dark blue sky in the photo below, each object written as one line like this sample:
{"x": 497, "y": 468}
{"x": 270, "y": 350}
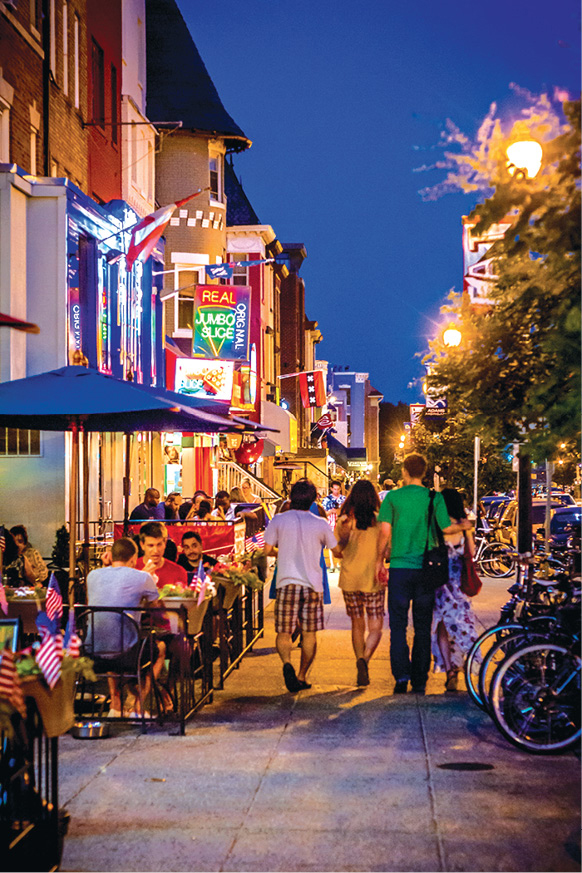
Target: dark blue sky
{"x": 343, "y": 100}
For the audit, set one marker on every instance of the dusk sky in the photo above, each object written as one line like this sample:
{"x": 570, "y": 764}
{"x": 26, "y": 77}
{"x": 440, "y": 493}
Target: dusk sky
{"x": 343, "y": 102}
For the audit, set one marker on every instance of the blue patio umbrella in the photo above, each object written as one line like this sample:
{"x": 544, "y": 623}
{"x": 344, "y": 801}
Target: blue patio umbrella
{"x": 78, "y": 399}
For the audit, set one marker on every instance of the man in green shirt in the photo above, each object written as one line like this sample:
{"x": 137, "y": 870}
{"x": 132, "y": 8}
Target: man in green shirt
{"x": 403, "y": 520}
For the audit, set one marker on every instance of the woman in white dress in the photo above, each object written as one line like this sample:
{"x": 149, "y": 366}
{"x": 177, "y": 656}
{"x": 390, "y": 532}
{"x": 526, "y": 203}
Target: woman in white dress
{"x": 454, "y": 628}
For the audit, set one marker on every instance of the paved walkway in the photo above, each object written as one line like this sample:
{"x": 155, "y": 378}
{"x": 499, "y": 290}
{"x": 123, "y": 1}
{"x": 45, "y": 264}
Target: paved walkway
{"x": 335, "y": 778}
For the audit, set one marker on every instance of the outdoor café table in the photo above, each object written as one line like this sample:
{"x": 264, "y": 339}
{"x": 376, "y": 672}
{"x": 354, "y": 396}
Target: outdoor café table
{"x": 25, "y": 607}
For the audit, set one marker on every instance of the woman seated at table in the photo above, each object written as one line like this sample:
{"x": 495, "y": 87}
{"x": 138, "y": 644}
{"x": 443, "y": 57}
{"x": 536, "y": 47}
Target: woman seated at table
{"x": 17, "y": 569}
{"x": 27, "y": 550}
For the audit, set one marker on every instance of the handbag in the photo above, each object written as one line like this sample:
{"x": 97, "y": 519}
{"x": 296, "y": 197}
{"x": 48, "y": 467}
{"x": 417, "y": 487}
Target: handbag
{"x": 435, "y": 564}
{"x": 471, "y": 584}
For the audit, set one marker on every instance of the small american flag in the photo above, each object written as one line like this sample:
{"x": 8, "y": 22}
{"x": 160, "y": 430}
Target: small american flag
{"x": 2, "y": 539}
{"x": 72, "y": 641}
{"x": 54, "y": 600}
{"x": 50, "y": 655}
{"x": 10, "y": 683}
{"x": 255, "y": 542}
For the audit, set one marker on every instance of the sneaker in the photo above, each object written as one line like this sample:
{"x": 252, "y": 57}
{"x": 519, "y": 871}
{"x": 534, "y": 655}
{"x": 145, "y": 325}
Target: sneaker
{"x": 291, "y": 681}
{"x": 304, "y": 685}
{"x": 419, "y": 689}
{"x": 362, "y": 668}
{"x": 401, "y": 686}
{"x": 452, "y": 681}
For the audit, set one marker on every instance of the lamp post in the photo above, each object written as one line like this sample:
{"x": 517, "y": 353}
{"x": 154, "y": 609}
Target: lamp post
{"x": 524, "y": 161}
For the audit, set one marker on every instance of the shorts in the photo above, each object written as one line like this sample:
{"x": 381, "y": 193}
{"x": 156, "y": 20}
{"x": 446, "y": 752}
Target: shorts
{"x": 298, "y": 604}
{"x": 373, "y": 601}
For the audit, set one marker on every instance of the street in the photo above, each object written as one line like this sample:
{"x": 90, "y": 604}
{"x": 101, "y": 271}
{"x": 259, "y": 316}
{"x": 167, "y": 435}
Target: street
{"x": 334, "y": 778}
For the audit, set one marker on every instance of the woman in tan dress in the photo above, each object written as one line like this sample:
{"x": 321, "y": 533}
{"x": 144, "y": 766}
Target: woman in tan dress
{"x": 357, "y": 534}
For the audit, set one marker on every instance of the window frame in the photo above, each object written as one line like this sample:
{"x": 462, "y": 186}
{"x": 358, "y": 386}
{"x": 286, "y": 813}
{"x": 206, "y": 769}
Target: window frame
{"x": 97, "y": 84}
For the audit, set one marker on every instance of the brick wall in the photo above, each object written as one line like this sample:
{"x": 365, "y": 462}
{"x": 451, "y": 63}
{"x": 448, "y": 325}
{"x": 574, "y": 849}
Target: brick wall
{"x": 21, "y": 63}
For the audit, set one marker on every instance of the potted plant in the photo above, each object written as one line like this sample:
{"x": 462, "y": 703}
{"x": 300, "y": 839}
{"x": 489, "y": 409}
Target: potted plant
{"x": 232, "y": 576}
{"x": 188, "y": 596}
{"x": 56, "y": 705}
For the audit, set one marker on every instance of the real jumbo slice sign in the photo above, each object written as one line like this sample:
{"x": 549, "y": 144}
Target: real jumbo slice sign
{"x": 221, "y": 321}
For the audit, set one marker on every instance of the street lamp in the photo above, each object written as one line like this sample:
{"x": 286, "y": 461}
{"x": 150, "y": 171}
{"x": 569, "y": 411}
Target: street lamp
{"x": 524, "y": 159}
{"x": 452, "y": 337}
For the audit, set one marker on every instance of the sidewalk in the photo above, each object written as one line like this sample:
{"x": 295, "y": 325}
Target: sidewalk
{"x": 335, "y": 778}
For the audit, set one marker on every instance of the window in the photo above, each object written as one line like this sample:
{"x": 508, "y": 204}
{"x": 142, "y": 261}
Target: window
{"x": 76, "y": 61}
{"x": 185, "y": 313}
{"x": 65, "y": 48}
{"x": 35, "y": 15}
{"x": 14, "y": 442}
{"x": 114, "y": 104}
{"x": 215, "y": 168}
{"x": 33, "y": 135}
{"x": 53, "y": 38}
{"x": 97, "y": 84}
{"x": 240, "y": 272}
{"x": 4, "y": 133}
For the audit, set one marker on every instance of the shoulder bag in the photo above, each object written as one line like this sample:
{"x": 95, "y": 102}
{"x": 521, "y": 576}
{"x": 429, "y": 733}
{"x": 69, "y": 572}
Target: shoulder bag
{"x": 471, "y": 584}
{"x": 435, "y": 564}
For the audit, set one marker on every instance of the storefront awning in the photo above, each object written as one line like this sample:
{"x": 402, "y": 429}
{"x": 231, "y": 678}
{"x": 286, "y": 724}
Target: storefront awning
{"x": 352, "y": 458}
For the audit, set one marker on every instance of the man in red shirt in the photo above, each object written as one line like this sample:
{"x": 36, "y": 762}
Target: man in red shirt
{"x": 153, "y": 536}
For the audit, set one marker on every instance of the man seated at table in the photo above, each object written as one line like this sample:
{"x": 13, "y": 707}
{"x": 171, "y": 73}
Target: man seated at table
{"x": 192, "y": 553}
{"x": 150, "y": 508}
{"x": 153, "y": 536}
{"x": 116, "y": 646}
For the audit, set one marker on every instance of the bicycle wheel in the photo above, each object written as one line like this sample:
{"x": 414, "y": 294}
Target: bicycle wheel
{"x": 497, "y": 560}
{"x": 477, "y": 653}
{"x": 500, "y": 650}
{"x": 535, "y": 698}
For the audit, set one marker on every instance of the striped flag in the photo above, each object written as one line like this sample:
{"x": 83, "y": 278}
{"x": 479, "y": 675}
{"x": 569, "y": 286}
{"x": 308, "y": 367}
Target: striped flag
{"x": 10, "y": 683}
{"x": 50, "y": 655}
{"x": 72, "y": 641}
{"x": 54, "y": 600}
{"x": 202, "y": 582}
{"x": 147, "y": 232}
{"x": 257, "y": 541}
{"x": 2, "y": 539}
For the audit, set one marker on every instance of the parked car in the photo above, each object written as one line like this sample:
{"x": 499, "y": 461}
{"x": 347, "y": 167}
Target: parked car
{"x": 562, "y": 523}
{"x": 506, "y": 530}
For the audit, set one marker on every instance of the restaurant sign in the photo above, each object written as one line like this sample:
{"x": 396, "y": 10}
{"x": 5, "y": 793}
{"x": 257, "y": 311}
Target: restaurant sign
{"x": 221, "y": 321}
{"x": 199, "y": 377}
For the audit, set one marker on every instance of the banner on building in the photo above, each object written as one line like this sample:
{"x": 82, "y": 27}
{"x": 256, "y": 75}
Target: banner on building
{"x": 312, "y": 387}
{"x": 416, "y": 410}
{"x": 199, "y": 377}
{"x": 221, "y": 321}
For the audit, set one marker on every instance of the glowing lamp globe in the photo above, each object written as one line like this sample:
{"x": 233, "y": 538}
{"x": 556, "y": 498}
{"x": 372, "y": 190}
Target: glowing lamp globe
{"x": 452, "y": 337}
{"x": 524, "y": 158}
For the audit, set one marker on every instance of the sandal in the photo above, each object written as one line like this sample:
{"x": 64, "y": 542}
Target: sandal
{"x": 452, "y": 678}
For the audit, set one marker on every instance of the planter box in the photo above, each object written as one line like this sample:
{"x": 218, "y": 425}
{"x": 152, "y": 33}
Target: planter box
{"x": 27, "y": 609}
{"x": 56, "y": 705}
{"x": 195, "y": 613}
{"x": 231, "y": 591}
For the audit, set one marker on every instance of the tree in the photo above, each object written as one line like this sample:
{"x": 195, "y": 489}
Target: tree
{"x": 516, "y": 375}
{"x": 450, "y": 447}
{"x": 392, "y": 417}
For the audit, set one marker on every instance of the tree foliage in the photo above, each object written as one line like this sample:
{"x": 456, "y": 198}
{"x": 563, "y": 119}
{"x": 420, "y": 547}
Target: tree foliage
{"x": 516, "y": 375}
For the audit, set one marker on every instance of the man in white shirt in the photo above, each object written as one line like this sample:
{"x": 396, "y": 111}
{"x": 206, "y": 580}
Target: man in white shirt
{"x": 299, "y": 537}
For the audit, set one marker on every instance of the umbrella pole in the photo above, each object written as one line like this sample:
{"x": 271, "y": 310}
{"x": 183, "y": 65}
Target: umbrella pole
{"x": 126, "y": 484}
{"x": 73, "y": 482}
{"x": 86, "y": 502}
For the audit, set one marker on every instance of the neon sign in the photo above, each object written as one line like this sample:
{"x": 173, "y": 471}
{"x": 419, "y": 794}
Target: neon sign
{"x": 204, "y": 378}
{"x": 221, "y": 323}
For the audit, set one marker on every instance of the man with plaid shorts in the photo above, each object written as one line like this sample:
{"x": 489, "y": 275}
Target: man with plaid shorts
{"x": 299, "y": 537}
